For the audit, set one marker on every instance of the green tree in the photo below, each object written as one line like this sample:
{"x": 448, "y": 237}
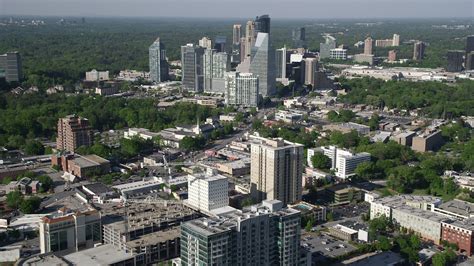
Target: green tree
{"x": 192, "y": 144}
{"x": 14, "y": 199}
{"x": 30, "y": 205}
{"x": 366, "y": 170}
{"x": 321, "y": 161}
{"x": 46, "y": 183}
{"x": 34, "y": 147}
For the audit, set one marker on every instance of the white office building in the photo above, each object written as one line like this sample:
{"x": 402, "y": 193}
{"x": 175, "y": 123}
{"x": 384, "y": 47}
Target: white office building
{"x": 208, "y": 191}
{"x": 95, "y": 75}
{"x": 338, "y": 53}
{"x": 344, "y": 162}
{"x": 241, "y": 89}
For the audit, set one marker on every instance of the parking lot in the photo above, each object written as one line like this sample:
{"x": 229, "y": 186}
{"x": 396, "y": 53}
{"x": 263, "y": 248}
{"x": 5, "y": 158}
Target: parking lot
{"x": 324, "y": 246}
{"x": 350, "y": 210}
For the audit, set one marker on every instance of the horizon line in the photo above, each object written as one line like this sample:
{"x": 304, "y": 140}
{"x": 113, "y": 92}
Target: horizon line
{"x": 238, "y": 18}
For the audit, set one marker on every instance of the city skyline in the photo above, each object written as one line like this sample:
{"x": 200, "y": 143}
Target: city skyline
{"x": 277, "y": 9}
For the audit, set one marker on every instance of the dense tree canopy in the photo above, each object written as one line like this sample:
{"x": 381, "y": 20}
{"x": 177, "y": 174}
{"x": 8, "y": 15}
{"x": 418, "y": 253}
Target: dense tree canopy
{"x": 435, "y": 99}
{"x": 27, "y": 116}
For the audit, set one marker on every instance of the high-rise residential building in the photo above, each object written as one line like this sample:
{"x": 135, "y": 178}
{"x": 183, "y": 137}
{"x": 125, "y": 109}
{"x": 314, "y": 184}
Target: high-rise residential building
{"x": 10, "y": 66}
{"x": 392, "y": 55}
{"x": 396, "y": 40}
{"x": 368, "y": 43}
{"x": 276, "y": 170}
{"x": 241, "y": 89}
{"x": 326, "y": 47}
{"x": 243, "y": 51}
{"x": 73, "y": 132}
{"x": 469, "y": 64}
{"x": 70, "y": 231}
{"x": 299, "y": 37}
{"x": 205, "y": 43}
{"x": 280, "y": 62}
{"x": 469, "y": 61}
{"x": 469, "y": 44}
{"x": 192, "y": 67}
{"x": 344, "y": 162}
{"x": 262, "y": 24}
{"x": 207, "y": 191}
{"x": 158, "y": 65}
{"x": 384, "y": 43}
{"x": 249, "y": 37}
{"x": 220, "y": 44}
{"x": 455, "y": 60}
{"x": 236, "y": 33}
{"x": 265, "y": 234}
{"x": 418, "y": 50}
{"x": 262, "y": 63}
{"x": 215, "y": 65}
{"x": 338, "y": 53}
{"x": 311, "y": 66}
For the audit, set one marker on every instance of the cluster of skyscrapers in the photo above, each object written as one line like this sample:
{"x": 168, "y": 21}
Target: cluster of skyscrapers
{"x": 207, "y": 68}
{"x": 247, "y": 70}
{"x": 456, "y": 58}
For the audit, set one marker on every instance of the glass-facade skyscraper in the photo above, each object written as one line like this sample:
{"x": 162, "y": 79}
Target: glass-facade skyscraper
{"x": 262, "y": 24}
{"x": 263, "y": 234}
{"x": 192, "y": 67}
{"x": 158, "y": 64}
{"x": 262, "y": 63}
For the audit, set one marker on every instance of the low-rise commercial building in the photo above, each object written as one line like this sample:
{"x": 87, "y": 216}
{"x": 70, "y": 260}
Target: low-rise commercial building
{"x": 81, "y": 166}
{"x": 430, "y": 141}
{"x": 95, "y": 75}
{"x": 104, "y": 255}
{"x": 347, "y": 128}
{"x": 138, "y": 188}
{"x": 66, "y": 231}
{"x": 141, "y": 133}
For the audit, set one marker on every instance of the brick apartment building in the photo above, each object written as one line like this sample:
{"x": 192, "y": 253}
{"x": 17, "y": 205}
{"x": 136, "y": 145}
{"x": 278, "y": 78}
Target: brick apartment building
{"x": 73, "y": 132}
{"x": 460, "y": 233}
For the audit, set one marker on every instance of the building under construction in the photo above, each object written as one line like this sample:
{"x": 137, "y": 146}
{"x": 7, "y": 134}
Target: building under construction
{"x": 150, "y": 230}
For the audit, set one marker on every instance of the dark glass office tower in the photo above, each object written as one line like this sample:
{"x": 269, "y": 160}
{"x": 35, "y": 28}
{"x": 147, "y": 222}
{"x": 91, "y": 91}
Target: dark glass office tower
{"x": 262, "y": 24}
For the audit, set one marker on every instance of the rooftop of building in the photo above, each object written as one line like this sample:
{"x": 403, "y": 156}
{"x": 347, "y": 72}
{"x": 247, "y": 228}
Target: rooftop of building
{"x": 45, "y": 260}
{"x": 89, "y": 160}
{"x": 459, "y": 207}
{"x": 375, "y": 259}
{"x": 101, "y": 255}
{"x": 354, "y": 225}
{"x": 138, "y": 184}
{"x": 228, "y": 221}
{"x": 98, "y": 188}
{"x": 428, "y": 215}
{"x": 143, "y": 214}
{"x": 399, "y": 200}
{"x": 276, "y": 143}
{"x": 208, "y": 175}
{"x": 465, "y": 224}
{"x": 155, "y": 237}
{"x": 70, "y": 200}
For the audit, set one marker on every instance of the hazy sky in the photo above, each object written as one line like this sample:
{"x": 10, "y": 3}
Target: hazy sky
{"x": 243, "y": 8}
